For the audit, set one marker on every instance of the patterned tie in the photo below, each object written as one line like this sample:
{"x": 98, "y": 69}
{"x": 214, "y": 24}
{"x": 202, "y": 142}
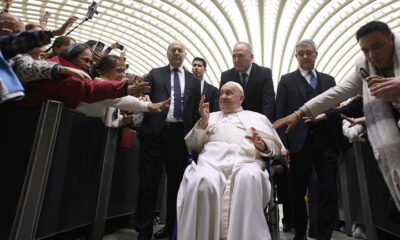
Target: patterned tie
{"x": 244, "y": 80}
{"x": 177, "y": 95}
{"x": 313, "y": 80}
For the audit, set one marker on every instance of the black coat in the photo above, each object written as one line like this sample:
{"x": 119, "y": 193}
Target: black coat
{"x": 291, "y": 95}
{"x": 212, "y": 96}
{"x": 259, "y": 93}
{"x": 160, "y": 82}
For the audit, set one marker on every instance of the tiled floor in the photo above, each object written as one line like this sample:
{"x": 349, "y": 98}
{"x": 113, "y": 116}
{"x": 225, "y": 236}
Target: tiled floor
{"x": 130, "y": 234}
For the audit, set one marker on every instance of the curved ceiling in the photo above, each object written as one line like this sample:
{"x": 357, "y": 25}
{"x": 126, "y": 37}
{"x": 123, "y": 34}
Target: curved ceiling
{"x": 210, "y": 28}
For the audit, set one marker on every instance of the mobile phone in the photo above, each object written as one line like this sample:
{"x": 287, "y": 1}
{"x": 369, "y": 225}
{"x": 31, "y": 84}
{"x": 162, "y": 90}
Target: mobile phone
{"x": 364, "y": 73}
{"x": 46, "y": 16}
{"x": 99, "y": 47}
{"x": 120, "y": 47}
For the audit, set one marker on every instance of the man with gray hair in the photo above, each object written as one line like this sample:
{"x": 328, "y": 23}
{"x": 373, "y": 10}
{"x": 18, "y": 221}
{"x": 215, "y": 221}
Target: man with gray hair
{"x": 224, "y": 194}
{"x": 255, "y": 80}
{"x": 310, "y": 145}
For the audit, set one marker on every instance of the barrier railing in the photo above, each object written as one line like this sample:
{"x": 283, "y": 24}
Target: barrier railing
{"x": 365, "y": 195}
{"x": 67, "y": 178}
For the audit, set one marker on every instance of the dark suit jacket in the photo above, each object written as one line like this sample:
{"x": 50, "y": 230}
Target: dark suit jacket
{"x": 290, "y": 96}
{"x": 160, "y": 82}
{"x": 259, "y": 93}
{"x": 212, "y": 96}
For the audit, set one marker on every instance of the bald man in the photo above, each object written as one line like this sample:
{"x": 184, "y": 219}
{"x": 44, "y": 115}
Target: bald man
{"x": 224, "y": 194}
{"x": 162, "y": 138}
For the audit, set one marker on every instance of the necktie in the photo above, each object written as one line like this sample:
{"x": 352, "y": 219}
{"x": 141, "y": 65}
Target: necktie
{"x": 177, "y": 95}
{"x": 244, "y": 80}
{"x": 313, "y": 80}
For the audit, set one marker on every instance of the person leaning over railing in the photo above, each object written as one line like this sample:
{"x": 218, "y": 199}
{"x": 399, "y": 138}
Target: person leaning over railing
{"x": 28, "y": 67}
{"x": 14, "y": 40}
{"x": 112, "y": 68}
{"x": 72, "y": 91}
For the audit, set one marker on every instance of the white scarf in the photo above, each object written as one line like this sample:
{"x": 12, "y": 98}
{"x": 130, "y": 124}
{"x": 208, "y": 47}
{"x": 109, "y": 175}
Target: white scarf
{"x": 383, "y": 132}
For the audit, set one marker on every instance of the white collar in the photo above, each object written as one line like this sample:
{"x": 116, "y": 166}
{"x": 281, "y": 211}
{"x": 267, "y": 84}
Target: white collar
{"x": 304, "y": 73}
{"x": 248, "y": 70}
{"x": 180, "y": 69}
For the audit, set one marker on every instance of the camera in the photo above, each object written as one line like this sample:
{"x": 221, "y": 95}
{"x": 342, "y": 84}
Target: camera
{"x": 92, "y": 10}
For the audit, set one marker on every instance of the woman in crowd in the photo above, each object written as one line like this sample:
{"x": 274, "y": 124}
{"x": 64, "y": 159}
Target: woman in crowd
{"x": 72, "y": 91}
{"x": 113, "y": 68}
{"x": 59, "y": 44}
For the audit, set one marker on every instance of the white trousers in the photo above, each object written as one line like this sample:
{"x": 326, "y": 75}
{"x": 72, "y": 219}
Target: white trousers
{"x": 201, "y": 205}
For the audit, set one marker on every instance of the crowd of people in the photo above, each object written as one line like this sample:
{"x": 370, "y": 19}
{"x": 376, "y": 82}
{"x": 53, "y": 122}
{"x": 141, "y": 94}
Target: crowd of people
{"x": 223, "y": 194}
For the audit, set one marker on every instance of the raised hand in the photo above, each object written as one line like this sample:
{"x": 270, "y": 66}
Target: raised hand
{"x": 204, "y": 110}
{"x": 256, "y": 139}
{"x": 61, "y": 31}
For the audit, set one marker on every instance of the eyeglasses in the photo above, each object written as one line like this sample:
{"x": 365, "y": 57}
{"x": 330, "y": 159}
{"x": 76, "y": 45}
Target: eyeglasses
{"x": 308, "y": 53}
{"x": 120, "y": 70}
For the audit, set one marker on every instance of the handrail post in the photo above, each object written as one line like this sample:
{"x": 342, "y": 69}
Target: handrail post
{"x": 97, "y": 229}
{"x": 32, "y": 194}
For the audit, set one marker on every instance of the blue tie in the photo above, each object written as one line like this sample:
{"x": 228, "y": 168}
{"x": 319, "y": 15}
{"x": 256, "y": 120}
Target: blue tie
{"x": 177, "y": 95}
{"x": 313, "y": 80}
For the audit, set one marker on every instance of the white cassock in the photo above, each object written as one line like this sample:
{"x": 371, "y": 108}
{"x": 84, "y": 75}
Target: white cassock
{"x": 224, "y": 195}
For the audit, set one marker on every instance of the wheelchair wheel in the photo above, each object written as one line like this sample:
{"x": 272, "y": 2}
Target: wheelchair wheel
{"x": 272, "y": 214}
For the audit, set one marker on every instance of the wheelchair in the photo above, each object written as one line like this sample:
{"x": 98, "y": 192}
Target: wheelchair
{"x": 271, "y": 211}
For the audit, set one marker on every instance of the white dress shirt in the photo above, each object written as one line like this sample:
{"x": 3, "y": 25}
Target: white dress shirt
{"x": 306, "y": 75}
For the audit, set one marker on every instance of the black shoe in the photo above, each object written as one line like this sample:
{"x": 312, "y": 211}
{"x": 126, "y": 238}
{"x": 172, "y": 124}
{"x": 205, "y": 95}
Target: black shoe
{"x": 300, "y": 238}
{"x": 143, "y": 237}
{"x": 286, "y": 227}
{"x": 162, "y": 233}
{"x": 312, "y": 234}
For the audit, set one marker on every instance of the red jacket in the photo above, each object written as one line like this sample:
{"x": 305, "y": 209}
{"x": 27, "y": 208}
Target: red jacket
{"x": 71, "y": 90}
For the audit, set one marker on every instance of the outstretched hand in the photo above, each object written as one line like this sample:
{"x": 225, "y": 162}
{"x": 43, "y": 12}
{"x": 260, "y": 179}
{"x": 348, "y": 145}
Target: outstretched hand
{"x": 290, "y": 121}
{"x": 318, "y": 118}
{"x": 204, "y": 110}
{"x": 158, "y": 107}
{"x": 138, "y": 89}
{"x": 353, "y": 121}
{"x": 256, "y": 139}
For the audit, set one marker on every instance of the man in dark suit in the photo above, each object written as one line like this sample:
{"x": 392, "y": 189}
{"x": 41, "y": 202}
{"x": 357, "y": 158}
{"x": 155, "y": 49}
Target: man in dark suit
{"x": 309, "y": 144}
{"x": 255, "y": 80}
{"x": 162, "y": 138}
{"x": 199, "y": 67}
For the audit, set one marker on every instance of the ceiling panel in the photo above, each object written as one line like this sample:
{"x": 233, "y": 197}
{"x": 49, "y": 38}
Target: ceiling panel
{"x": 210, "y": 28}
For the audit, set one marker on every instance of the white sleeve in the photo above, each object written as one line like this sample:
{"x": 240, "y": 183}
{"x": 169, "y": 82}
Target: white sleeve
{"x": 347, "y": 88}
{"x": 127, "y": 103}
{"x": 353, "y": 132}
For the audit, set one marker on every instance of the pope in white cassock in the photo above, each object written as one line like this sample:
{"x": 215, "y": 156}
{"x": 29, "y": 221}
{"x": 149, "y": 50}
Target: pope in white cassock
{"x": 224, "y": 194}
